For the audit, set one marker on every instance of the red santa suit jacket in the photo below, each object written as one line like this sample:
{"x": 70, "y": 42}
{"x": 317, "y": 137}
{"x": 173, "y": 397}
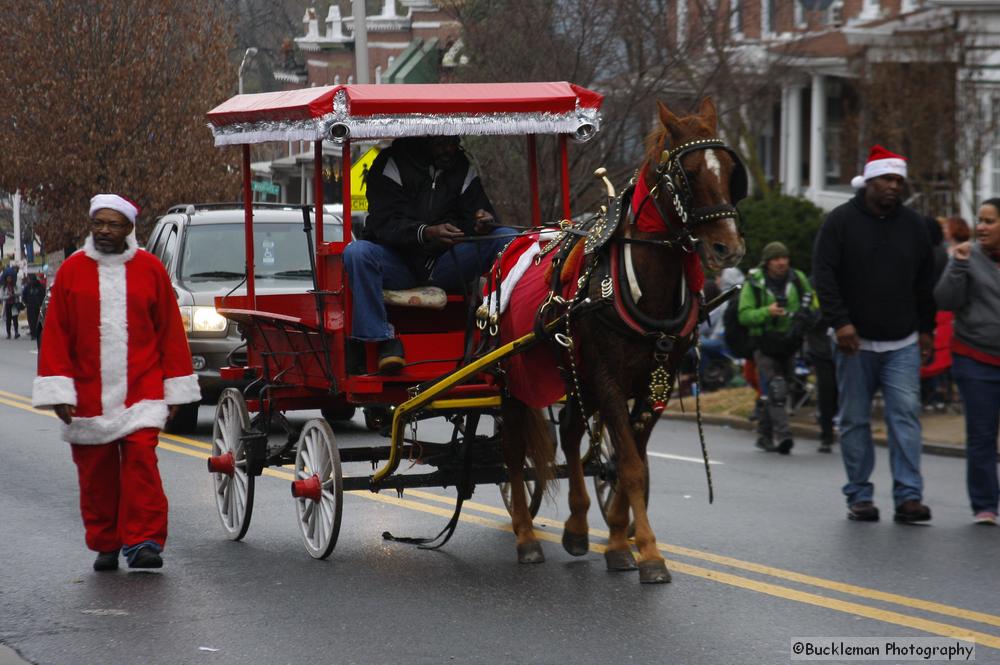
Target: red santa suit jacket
{"x": 114, "y": 345}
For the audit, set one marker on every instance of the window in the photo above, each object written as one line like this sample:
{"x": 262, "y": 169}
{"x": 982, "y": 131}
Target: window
{"x": 768, "y": 17}
{"x": 736, "y": 18}
{"x": 169, "y": 246}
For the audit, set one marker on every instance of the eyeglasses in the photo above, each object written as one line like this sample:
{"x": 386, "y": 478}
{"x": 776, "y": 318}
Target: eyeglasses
{"x": 97, "y": 224}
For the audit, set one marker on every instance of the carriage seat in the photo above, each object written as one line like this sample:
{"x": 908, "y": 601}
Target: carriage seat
{"x": 424, "y": 297}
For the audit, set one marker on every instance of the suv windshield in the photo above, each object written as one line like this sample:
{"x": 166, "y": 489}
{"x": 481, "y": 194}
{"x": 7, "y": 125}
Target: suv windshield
{"x": 215, "y": 253}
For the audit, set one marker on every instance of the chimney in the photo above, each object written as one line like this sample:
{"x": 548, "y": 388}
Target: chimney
{"x": 334, "y": 24}
{"x": 312, "y": 24}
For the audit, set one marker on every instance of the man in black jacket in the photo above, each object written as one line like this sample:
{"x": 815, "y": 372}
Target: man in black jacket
{"x": 426, "y": 206}
{"x": 874, "y": 274}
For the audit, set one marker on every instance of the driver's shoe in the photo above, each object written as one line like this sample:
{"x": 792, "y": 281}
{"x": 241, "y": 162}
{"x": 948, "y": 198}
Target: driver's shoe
{"x": 390, "y": 356}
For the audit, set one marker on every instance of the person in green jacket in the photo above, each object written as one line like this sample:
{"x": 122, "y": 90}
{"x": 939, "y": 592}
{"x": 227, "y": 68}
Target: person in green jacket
{"x": 777, "y": 305}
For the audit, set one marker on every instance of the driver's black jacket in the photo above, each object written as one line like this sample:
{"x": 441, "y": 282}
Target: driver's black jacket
{"x": 406, "y": 193}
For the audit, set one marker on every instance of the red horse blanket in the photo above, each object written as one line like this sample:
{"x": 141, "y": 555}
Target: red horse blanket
{"x": 533, "y": 376}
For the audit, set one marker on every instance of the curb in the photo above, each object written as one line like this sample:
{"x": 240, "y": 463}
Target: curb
{"x": 798, "y": 429}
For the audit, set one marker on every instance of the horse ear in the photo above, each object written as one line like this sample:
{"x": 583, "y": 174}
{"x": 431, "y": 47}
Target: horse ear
{"x": 671, "y": 122}
{"x": 708, "y": 113}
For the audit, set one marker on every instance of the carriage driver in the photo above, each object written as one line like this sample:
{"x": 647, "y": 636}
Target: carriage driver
{"x": 426, "y": 204}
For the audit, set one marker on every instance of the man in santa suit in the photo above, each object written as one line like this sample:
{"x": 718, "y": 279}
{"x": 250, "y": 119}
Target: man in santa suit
{"x": 115, "y": 365}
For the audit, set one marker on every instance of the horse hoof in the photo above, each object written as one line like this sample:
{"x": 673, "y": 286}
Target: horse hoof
{"x": 577, "y": 545}
{"x": 653, "y": 571}
{"x": 619, "y": 560}
{"x": 530, "y": 552}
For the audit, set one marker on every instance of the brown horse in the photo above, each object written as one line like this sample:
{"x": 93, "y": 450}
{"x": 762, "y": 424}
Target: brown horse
{"x": 693, "y": 181}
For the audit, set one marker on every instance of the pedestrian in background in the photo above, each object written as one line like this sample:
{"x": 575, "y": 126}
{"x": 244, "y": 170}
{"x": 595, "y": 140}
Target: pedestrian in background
{"x": 771, "y": 301}
{"x": 32, "y": 296}
{"x": 115, "y": 365}
{"x": 875, "y": 278}
{"x": 8, "y": 295}
{"x": 970, "y": 287}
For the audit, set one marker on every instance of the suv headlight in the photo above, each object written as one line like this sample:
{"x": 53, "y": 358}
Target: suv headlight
{"x": 202, "y": 319}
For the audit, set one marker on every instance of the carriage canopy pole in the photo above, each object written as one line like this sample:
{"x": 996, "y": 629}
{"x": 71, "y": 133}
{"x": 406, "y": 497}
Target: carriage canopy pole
{"x": 536, "y": 210}
{"x": 318, "y": 216}
{"x": 564, "y": 172}
{"x": 248, "y": 227}
{"x": 345, "y": 181}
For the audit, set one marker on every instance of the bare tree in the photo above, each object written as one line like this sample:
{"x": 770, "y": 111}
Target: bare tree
{"x": 111, "y": 95}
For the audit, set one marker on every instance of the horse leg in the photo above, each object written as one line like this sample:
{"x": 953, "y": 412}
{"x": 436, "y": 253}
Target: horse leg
{"x": 514, "y": 436}
{"x": 632, "y": 483}
{"x": 575, "y": 538}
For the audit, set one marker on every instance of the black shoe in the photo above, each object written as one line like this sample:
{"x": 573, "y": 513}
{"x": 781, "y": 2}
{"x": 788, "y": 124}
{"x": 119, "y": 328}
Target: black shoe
{"x": 912, "y": 511}
{"x": 764, "y": 443}
{"x": 826, "y": 444}
{"x": 145, "y": 557}
{"x": 863, "y": 511}
{"x": 106, "y": 561}
{"x": 390, "y": 356}
{"x": 785, "y": 446}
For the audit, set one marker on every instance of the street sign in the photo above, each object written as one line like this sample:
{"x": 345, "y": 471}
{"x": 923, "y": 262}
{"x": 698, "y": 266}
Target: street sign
{"x": 359, "y": 179}
{"x": 265, "y": 187}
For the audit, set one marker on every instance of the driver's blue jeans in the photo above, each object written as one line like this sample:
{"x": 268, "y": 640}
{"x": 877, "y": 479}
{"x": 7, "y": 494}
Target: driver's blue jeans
{"x": 372, "y": 267}
{"x": 897, "y": 373}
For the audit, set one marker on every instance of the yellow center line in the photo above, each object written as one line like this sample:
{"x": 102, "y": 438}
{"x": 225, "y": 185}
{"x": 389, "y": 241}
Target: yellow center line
{"x": 897, "y": 618}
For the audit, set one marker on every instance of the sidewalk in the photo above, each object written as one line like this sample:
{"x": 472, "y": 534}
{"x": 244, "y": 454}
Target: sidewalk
{"x": 944, "y": 433}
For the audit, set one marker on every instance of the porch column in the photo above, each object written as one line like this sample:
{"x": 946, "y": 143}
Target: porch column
{"x": 817, "y": 142}
{"x": 791, "y": 155}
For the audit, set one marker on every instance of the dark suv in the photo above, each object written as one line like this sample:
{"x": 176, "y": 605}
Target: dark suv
{"x": 202, "y": 247}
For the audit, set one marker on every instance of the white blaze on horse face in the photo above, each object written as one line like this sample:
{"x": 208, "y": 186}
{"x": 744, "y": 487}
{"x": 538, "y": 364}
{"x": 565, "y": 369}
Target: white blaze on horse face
{"x": 712, "y": 162}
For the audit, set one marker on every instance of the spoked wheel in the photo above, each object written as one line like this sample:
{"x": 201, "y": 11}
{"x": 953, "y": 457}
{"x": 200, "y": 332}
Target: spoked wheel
{"x": 318, "y": 488}
{"x": 233, "y": 485}
{"x": 534, "y": 493}
{"x": 606, "y": 486}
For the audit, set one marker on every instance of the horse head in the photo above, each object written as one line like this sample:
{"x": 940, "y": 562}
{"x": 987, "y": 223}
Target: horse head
{"x": 696, "y": 181}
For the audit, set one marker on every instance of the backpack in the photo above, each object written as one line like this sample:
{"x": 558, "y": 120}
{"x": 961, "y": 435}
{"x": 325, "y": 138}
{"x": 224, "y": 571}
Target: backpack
{"x": 736, "y": 334}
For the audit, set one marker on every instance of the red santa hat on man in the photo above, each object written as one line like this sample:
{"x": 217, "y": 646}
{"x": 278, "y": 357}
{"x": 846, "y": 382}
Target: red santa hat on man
{"x": 116, "y": 203}
{"x": 880, "y": 162}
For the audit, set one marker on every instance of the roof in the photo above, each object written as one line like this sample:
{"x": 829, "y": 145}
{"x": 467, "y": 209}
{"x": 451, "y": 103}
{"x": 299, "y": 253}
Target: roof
{"x": 391, "y": 110}
{"x": 827, "y": 45}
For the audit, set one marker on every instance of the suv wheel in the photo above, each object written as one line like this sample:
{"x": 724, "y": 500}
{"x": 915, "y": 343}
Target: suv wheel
{"x": 186, "y": 420}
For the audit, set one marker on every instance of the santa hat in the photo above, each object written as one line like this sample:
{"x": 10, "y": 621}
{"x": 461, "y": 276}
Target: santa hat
{"x": 880, "y": 162}
{"x": 116, "y": 203}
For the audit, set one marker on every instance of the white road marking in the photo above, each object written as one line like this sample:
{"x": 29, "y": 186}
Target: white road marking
{"x": 696, "y": 460}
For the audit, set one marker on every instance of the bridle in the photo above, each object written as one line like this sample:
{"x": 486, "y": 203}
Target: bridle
{"x": 670, "y": 176}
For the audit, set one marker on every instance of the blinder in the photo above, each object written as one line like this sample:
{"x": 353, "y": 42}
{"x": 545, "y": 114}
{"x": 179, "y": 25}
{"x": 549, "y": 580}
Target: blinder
{"x": 670, "y": 168}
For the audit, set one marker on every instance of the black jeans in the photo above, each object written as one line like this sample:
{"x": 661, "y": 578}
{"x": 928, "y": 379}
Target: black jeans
{"x": 10, "y": 319}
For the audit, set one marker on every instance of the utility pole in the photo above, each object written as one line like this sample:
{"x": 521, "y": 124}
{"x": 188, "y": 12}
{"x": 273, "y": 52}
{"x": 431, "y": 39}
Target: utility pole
{"x": 17, "y": 227}
{"x": 360, "y": 42}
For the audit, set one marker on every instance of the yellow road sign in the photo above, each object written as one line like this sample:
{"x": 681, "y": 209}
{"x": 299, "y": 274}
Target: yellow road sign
{"x": 359, "y": 179}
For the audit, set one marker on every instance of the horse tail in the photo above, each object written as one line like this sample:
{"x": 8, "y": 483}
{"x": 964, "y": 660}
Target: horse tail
{"x": 535, "y": 434}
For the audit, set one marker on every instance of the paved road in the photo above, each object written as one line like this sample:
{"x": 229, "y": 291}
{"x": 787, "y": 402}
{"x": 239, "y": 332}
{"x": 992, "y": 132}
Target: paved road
{"x": 773, "y": 558}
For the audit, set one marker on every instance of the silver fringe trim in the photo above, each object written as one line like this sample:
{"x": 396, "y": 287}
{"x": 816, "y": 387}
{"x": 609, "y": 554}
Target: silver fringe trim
{"x": 582, "y": 124}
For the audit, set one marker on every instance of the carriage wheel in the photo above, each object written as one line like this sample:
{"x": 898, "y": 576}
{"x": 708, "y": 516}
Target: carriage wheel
{"x": 318, "y": 488}
{"x": 535, "y": 493}
{"x": 605, "y": 487}
{"x": 233, "y": 485}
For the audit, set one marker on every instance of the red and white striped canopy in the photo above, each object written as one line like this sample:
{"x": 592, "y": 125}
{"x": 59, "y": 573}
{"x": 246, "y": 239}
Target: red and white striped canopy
{"x": 392, "y": 110}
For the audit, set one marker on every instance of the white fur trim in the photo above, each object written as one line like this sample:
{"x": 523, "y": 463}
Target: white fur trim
{"x": 108, "y": 428}
{"x": 513, "y": 277}
{"x": 47, "y": 391}
{"x": 887, "y": 166}
{"x": 858, "y": 181}
{"x": 131, "y": 247}
{"x": 114, "y": 202}
{"x": 113, "y": 337}
{"x": 181, "y": 390}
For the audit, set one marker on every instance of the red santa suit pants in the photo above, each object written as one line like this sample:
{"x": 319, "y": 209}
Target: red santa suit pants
{"x": 121, "y": 495}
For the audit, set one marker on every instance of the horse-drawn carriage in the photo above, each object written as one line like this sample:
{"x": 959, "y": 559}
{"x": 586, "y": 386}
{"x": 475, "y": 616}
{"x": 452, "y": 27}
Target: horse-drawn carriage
{"x": 297, "y": 346}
